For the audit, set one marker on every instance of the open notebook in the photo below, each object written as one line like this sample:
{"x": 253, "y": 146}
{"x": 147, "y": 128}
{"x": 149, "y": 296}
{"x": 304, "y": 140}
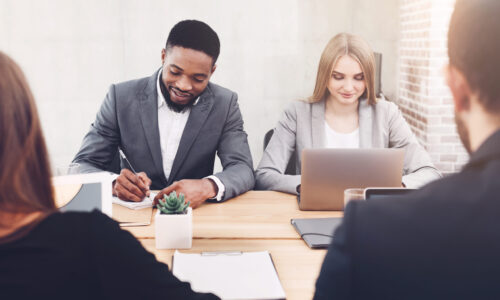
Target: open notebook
{"x": 129, "y": 213}
{"x": 146, "y": 202}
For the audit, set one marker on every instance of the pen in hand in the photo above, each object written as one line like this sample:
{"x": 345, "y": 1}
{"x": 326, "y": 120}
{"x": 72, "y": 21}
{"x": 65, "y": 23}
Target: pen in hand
{"x": 140, "y": 182}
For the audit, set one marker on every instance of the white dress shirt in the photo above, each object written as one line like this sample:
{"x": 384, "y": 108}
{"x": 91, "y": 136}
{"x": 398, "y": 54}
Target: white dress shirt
{"x": 335, "y": 139}
{"x": 171, "y": 126}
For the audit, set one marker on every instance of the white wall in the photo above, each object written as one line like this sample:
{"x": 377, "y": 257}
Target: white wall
{"x": 378, "y": 22}
{"x": 71, "y": 51}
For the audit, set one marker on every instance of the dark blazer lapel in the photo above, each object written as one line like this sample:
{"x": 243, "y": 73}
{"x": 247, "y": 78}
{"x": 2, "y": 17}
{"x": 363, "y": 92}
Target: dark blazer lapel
{"x": 149, "y": 118}
{"x": 197, "y": 118}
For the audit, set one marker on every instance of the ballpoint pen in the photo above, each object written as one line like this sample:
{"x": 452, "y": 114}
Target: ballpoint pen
{"x": 129, "y": 164}
{"x": 126, "y": 159}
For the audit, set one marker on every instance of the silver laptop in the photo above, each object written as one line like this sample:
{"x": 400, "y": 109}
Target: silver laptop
{"x": 326, "y": 173}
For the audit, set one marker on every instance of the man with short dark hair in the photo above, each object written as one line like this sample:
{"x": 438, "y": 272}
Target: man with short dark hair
{"x": 442, "y": 241}
{"x": 170, "y": 126}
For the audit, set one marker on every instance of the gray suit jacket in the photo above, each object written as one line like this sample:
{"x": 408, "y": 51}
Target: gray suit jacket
{"x": 128, "y": 118}
{"x": 302, "y": 126}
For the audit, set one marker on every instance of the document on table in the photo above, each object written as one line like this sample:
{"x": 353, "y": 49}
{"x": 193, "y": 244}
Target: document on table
{"x": 133, "y": 213}
{"x": 146, "y": 202}
{"x": 132, "y": 217}
{"x": 230, "y": 275}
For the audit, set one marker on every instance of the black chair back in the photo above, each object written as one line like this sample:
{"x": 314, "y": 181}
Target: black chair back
{"x": 290, "y": 168}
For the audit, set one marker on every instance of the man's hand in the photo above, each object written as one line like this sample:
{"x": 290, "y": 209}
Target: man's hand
{"x": 194, "y": 190}
{"x": 131, "y": 187}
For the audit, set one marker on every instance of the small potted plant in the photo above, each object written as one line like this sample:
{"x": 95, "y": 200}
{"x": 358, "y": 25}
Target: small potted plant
{"x": 173, "y": 223}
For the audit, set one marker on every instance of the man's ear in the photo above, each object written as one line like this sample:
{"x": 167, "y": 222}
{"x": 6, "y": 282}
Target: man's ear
{"x": 213, "y": 68}
{"x": 163, "y": 56}
{"x": 459, "y": 88}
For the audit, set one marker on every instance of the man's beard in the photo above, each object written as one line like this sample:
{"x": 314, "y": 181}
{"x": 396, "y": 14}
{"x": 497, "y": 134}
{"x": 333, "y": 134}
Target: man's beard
{"x": 172, "y": 105}
{"x": 463, "y": 133}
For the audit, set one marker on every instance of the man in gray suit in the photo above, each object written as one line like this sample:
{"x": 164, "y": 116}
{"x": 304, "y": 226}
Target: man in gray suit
{"x": 171, "y": 124}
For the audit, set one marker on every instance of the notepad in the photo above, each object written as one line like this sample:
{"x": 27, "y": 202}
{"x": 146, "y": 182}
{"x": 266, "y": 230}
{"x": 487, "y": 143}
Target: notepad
{"x": 230, "y": 275}
{"x": 147, "y": 202}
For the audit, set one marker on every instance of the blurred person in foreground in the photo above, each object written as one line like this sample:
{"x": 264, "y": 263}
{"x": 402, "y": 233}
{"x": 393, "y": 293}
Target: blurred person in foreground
{"x": 45, "y": 254}
{"x": 443, "y": 241}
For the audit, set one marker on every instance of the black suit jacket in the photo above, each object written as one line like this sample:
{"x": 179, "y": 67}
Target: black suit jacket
{"x": 440, "y": 242}
{"x": 128, "y": 118}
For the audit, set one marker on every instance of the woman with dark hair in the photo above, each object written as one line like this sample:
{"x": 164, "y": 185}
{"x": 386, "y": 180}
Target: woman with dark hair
{"x": 46, "y": 254}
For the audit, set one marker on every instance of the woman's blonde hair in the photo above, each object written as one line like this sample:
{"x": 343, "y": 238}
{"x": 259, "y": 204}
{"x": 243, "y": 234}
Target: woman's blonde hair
{"x": 356, "y": 48}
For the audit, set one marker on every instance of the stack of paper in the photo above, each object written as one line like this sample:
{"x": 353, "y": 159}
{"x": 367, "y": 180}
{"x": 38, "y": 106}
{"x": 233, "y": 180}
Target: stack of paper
{"x": 146, "y": 202}
{"x": 132, "y": 217}
{"x": 230, "y": 275}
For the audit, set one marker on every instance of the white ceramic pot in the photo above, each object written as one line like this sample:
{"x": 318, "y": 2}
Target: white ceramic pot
{"x": 174, "y": 231}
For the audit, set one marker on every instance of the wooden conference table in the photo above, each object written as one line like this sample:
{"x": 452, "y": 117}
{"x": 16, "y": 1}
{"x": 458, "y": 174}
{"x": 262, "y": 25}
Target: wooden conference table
{"x": 254, "y": 221}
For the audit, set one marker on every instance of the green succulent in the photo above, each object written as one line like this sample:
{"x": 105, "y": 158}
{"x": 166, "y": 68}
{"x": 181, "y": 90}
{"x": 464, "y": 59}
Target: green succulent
{"x": 172, "y": 204}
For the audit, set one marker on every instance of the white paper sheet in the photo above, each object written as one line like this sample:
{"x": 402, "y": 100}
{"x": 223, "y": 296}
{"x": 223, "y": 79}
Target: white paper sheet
{"x": 230, "y": 275}
{"x": 146, "y": 202}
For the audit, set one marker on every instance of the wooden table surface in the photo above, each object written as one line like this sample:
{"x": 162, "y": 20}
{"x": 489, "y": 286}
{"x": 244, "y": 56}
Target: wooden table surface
{"x": 255, "y": 214}
{"x": 254, "y": 221}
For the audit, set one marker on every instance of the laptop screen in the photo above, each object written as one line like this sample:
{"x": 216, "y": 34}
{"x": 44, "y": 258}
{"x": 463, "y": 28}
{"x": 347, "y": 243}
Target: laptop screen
{"x": 84, "y": 192}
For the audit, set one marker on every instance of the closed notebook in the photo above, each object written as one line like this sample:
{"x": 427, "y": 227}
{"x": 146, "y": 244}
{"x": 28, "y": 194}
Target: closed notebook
{"x": 317, "y": 232}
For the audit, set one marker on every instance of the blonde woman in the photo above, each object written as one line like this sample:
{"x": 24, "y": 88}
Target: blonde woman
{"x": 343, "y": 112}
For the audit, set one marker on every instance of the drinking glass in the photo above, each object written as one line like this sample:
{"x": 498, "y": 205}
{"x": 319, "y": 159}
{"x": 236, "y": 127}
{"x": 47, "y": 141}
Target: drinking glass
{"x": 353, "y": 194}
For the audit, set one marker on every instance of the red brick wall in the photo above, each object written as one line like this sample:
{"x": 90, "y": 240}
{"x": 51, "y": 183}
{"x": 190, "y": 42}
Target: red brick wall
{"x": 423, "y": 96}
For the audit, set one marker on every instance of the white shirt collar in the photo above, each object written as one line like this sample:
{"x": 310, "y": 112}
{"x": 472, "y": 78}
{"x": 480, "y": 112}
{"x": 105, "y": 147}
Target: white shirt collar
{"x": 161, "y": 99}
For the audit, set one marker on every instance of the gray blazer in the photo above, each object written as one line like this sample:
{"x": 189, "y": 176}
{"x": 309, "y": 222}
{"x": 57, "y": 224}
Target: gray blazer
{"x": 302, "y": 126}
{"x": 128, "y": 118}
